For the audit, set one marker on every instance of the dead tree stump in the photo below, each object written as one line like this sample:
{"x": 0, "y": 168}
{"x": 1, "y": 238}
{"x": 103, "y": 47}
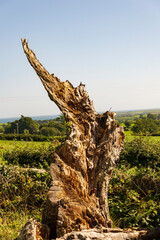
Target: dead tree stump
{"x": 82, "y": 166}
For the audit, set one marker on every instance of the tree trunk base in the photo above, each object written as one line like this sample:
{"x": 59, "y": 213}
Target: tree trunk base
{"x": 34, "y": 230}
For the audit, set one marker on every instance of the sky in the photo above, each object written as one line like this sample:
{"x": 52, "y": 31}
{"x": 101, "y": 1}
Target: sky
{"x": 112, "y": 46}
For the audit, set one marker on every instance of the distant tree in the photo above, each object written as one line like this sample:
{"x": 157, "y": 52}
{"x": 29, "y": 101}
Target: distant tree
{"x": 49, "y": 131}
{"x": 141, "y": 115}
{"x": 145, "y": 126}
{"x": 152, "y": 116}
{"x": 11, "y": 127}
{"x": 19, "y": 126}
{"x": 1, "y": 129}
{"x": 27, "y": 123}
{"x": 56, "y": 127}
{"x": 127, "y": 124}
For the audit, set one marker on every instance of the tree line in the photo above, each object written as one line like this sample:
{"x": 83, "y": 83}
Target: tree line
{"x": 144, "y": 125}
{"x": 26, "y": 125}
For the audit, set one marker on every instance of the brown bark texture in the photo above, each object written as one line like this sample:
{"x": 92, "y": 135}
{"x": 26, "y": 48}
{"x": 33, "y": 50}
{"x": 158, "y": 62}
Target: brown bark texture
{"x": 34, "y": 230}
{"x": 82, "y": 166}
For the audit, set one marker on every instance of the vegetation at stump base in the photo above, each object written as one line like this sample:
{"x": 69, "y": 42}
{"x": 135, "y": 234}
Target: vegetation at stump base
{"x": 134, "y": 190}
{"x": 23, "y": 193}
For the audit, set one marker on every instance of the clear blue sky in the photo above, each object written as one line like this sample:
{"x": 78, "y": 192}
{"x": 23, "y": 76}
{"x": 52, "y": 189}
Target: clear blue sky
{"x": 113, "y": 46}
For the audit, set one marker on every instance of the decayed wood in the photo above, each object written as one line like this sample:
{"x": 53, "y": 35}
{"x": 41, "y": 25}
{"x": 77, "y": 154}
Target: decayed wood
{"x": 105, "y": 234}
{"x": 83, "y": 165}
{"x": 34, "y": 230}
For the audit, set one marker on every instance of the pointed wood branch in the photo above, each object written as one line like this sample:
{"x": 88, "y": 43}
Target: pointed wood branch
{"x": 67, "y": 98}
{"x": 82, "y": 166}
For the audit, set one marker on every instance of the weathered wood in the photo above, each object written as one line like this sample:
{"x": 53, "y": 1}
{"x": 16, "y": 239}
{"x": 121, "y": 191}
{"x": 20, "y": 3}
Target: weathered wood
{"x": 34, "y": 230}
{"x": 105, "y": 234}
{"x": 83, "y": 165}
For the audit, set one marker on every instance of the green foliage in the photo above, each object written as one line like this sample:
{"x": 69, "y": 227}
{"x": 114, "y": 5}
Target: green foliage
{"x": 134, "y": 197}
{"x": 134, "y": 190}
{"x": 50, "y": 131}
{"x": 121, "y": 117}
{"x": 18, "y": 126}
{"x": 11, "y": 223}
{"x": 27, "y": 123}
{"x": 145, "y": 126}
{"x": 31, "y": 137}
{"x": 57, "y": 127}
{"x": 26, "y": 126}
{"x": 152, "y": 116}
{"x": 127, "y": 124}
{"x": 30, "y": 156}
{"x": 1, "y": 129}
{"x": 141, "y": 152}
{"x": 23, "y": 193}
{"x": 22, "y": 188}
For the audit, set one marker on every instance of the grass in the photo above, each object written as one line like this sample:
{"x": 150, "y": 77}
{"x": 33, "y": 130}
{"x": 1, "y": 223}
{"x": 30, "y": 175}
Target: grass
{"x": 129, "y": 137}
{"x": 11, "y": 223}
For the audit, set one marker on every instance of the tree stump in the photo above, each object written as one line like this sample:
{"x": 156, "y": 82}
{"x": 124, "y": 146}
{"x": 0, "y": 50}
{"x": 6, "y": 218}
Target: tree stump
{"x": 82, "y": 166}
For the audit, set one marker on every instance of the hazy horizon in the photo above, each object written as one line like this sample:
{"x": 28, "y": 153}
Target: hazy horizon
{"x": 49, "y": 115}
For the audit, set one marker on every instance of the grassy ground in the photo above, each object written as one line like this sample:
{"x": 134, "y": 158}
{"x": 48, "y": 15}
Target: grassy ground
{"x": 11, "y": 223}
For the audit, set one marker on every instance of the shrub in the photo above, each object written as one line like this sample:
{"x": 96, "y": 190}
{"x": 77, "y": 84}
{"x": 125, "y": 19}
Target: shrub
{"x": 141, "y": 152}
{"x": 22, "y": 189}
{"x": 23, "y": 193}
{"x": 30, "y": 156}
{"x": 134, "y": 189}
{"x": 134, "y": 198}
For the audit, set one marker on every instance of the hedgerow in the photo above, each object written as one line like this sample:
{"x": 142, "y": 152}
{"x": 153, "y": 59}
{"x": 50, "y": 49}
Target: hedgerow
{"x": 31, "y": 137}
{"x": 30, "y": 156}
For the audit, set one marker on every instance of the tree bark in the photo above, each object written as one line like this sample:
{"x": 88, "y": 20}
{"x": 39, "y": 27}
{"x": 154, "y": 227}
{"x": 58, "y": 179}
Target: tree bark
{"x": 82, "y": 166}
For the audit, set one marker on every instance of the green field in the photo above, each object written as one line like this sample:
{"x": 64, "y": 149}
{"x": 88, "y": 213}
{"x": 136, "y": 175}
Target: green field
{"x": 129, "y": 136}
{"x": 133, "y": 115}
